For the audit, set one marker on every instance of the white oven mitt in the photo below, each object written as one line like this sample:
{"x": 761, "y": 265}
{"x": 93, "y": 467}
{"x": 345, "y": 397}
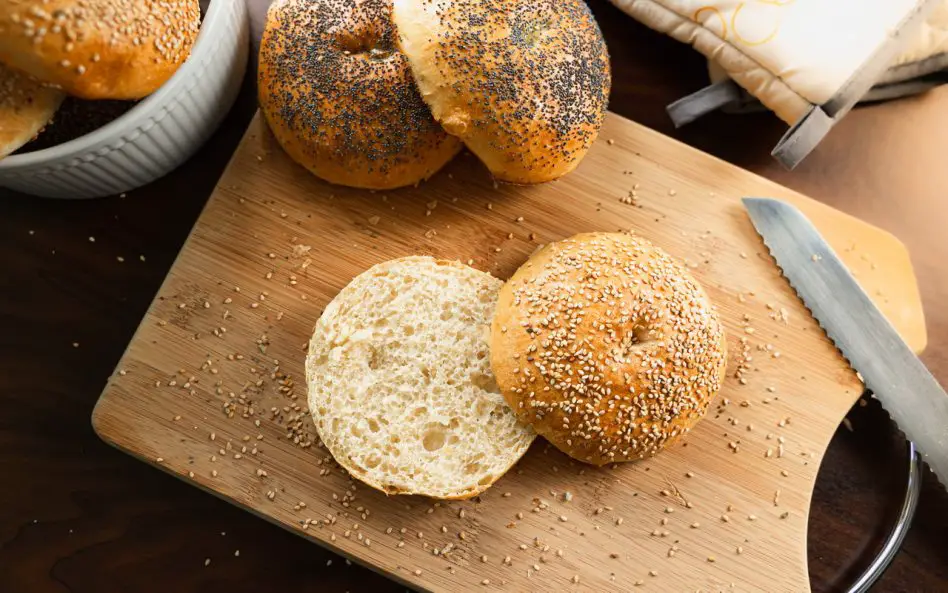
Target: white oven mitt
{"x": 808, "y": 61}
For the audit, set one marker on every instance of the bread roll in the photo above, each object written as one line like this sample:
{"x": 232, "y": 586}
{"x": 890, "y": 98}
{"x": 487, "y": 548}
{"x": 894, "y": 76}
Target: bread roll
{"x": 524, "y": 83}
{"x": 400, "y": 385}
{"x": 339, "y": 96}
{"x": 25, "y": 109}
{"x": 98, "y": 49}
{"x": 607, "y": 346}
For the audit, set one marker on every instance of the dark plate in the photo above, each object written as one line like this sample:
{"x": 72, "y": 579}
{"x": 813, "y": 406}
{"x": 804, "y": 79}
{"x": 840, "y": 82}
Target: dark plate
{"x": 860, "y": 493}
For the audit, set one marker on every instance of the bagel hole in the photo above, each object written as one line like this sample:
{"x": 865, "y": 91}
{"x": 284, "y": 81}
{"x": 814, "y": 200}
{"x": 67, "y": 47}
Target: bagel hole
{"x": 636, "y": 340}
{"x": 369, "y": 44}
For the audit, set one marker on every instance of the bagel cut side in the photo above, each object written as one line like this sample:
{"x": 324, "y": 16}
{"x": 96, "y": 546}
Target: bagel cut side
{"x": 400, "y": 385}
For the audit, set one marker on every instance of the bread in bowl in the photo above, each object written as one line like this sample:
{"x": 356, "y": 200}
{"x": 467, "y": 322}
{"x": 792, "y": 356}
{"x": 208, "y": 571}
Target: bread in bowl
{"x": 607, "y": 346}
{"x": 524, "y": 83}
{"x": 339, "y": 96}
{"x": 26, "y": 107}
{"x": 99, "y": 49}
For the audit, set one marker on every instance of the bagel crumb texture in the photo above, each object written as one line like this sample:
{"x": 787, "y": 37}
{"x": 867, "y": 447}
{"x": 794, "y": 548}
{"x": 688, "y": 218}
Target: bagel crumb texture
{"x": 340, "y": 98}
{"x": 524, "y": 83}
{"x": 607, "y": 346}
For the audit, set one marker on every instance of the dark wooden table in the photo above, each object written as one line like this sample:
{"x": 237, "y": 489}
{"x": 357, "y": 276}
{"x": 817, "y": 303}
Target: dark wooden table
{"x": 76, "y": 515}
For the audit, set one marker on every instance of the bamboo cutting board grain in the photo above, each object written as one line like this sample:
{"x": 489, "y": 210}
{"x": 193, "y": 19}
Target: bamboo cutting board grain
{"x": 211, "y": 387}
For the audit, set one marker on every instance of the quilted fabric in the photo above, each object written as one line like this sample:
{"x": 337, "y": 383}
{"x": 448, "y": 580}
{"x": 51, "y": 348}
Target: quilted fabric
{"x": 793, "y": 54}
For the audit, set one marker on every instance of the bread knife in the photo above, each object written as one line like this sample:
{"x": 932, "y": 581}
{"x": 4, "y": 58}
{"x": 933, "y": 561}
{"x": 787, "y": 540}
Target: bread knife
{"x": 887, "y": 366}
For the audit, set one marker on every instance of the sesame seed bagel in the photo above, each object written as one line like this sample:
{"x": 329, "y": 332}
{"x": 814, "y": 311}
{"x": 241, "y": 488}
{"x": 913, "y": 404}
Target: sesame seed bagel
{"x": 524, "y": 83}
{"x": 607, "y": 346}
{"x": 340, "y": 98}
{"x": 99, "y": 49}
{"x": 25, "y": 108}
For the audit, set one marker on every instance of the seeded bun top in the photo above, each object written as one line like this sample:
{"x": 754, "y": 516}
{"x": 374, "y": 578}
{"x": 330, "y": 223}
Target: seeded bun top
{"x": 99, "y": 49}
{"x": 607, "y": 346}
{"x": 524, "y": 83}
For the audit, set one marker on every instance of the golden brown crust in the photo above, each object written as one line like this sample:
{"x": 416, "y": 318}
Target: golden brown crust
{"x": 25, "y": 108}
{"x": 99, "y": 49}
{"x": 607, "y": 346}
{"x": 524, "y": 83}
{"x": 339, "y": 96}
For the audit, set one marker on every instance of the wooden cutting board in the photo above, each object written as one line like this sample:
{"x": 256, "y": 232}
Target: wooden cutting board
{"x": 211, "y": 387}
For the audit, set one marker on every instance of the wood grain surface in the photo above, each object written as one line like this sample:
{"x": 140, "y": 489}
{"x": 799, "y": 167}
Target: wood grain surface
{"x": 77, "y": 515}
{"x": 208, "y": 387}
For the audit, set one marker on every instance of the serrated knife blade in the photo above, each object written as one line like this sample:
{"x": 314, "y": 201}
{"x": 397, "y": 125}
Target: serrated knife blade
{"x": 889, "y": 368}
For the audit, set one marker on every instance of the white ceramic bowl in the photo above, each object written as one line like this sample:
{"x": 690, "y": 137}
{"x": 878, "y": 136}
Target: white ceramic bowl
{"x": 155, "y": 136}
